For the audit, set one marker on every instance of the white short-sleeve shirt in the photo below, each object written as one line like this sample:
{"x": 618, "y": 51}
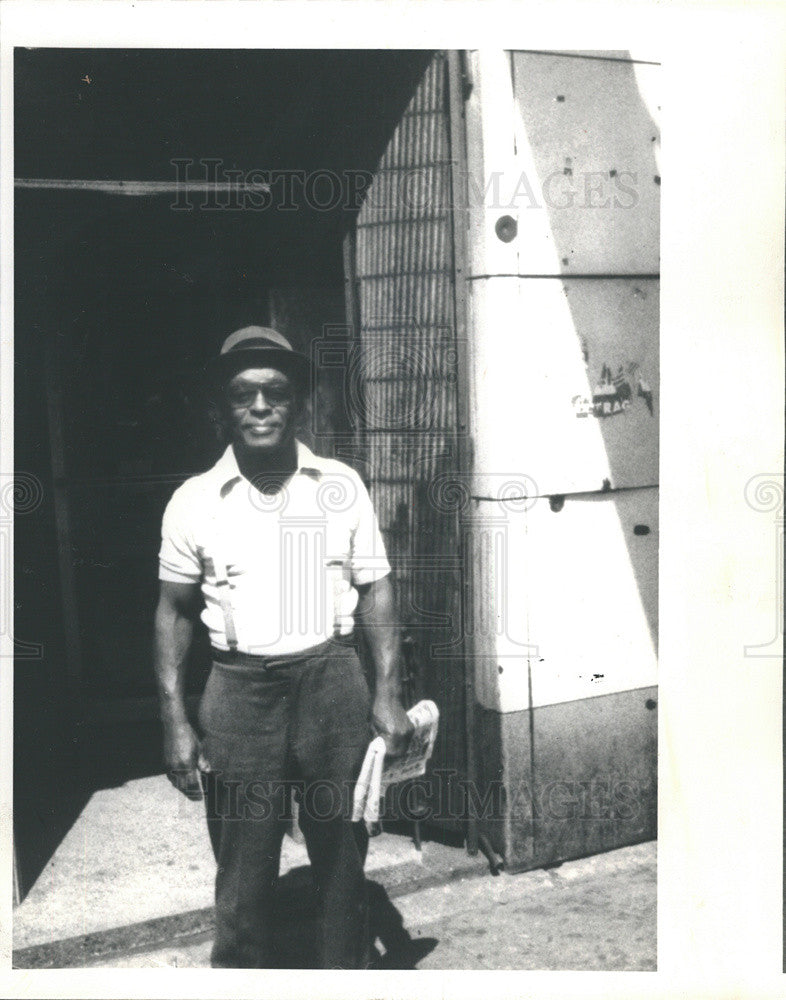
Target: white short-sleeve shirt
{"x": 284, "y": 564}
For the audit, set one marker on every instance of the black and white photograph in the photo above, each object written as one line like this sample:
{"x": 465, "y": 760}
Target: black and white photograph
{"x": 338, "y": 459}
{"x": 337, "y": 399}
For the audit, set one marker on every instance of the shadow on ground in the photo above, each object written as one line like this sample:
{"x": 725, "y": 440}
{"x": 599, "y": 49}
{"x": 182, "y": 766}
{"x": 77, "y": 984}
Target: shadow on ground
{"x": 297, "y": 927}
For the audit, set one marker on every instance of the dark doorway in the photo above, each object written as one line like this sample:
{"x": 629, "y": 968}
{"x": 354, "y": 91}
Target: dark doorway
{"x": 120, "y": 298}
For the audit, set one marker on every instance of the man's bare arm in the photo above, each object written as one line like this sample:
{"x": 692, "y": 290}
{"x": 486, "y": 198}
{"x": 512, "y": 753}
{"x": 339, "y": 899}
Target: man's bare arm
{"x": 174, "y": 629}
{"x": 376, "y": 612}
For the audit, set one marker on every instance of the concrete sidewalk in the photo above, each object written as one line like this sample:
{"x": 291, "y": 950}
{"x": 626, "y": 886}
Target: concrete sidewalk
{"x": 595, "y": 914}
{"x": 131, "y": 886}
{"x": 140, "y": 852}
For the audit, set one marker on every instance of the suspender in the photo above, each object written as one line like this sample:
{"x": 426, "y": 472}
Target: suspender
{"x": 226, "y": 605}
{"x": 219, "y": 567}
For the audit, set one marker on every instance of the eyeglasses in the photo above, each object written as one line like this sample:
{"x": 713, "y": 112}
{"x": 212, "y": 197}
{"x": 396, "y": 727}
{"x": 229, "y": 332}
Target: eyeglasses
{"x": 241, "y": 397}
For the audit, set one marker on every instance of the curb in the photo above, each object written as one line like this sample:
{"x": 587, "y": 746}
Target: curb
{"x": 404, "y": 878}
{"x": 84, "y": 950}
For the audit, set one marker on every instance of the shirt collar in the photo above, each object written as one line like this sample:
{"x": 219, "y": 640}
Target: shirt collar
{"x": 307, "y": 461}
{"x": 228, "y": 473}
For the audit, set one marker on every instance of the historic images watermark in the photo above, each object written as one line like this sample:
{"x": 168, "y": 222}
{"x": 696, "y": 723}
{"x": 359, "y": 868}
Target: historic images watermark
{"x": 208, "y": 184}
{"x": 314, "y": 587}
{"x": 20, "y": 494}
{"x": 441, "y": 796}
{"x": 394, "y": 380}
{"x": 765, "y": 493}
{"x": 394, "y": 388}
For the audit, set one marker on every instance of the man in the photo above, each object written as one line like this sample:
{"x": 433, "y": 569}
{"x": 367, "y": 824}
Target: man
{"x": 280, "y": 549}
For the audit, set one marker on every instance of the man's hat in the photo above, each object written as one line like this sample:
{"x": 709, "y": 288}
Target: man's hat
{"x": 258, "y": 347}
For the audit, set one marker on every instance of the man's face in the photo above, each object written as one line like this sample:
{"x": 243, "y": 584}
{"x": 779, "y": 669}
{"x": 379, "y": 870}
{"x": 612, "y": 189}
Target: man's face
{"x": 262, "y": 406}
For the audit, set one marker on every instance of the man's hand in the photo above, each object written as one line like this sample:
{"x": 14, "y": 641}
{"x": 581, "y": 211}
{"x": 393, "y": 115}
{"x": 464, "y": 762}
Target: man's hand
{"x": 392, "y": 723}
{"x": 174, "y": 626}
{"x": 181, "y": 754}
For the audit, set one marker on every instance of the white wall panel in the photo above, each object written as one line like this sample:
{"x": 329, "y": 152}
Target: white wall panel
{"x": 592, "y": 128}
{"x": 540, "y": 353}
{"x": 567, "y": 149}
{"x": 574, "y": 599}
{"x": 591, "y": 592}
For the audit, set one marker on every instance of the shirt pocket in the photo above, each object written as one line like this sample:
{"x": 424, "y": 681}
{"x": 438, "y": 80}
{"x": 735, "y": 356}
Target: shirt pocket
{"x": 223, "y": 563}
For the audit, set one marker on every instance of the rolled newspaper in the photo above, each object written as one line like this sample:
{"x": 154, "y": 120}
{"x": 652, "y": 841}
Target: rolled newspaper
{"x": 377, "y": 773}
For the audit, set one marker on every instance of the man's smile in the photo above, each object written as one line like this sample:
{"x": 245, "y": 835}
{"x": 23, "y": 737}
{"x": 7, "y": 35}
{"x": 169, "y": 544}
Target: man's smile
{"x": 262, "y": 428}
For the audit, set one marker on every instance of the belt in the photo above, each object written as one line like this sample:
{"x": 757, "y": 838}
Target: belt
{"x": 236, "y": 657}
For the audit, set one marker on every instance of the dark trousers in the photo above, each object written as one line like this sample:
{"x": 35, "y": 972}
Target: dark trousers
{"x": 268, "y": 725}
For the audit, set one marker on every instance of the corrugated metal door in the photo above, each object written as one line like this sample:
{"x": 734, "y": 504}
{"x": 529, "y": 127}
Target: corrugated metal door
{"x": 406, "y": 405}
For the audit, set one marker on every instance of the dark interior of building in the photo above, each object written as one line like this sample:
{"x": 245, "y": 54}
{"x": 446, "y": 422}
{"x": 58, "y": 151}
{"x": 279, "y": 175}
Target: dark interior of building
{"x": 119, "y": 300}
